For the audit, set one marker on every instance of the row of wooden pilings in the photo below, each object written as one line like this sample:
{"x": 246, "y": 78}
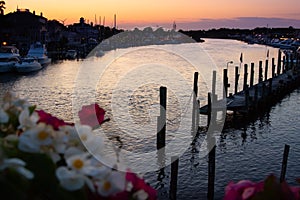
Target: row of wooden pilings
{"x": 281, "y": 68}
{"x": 211, "y": 141}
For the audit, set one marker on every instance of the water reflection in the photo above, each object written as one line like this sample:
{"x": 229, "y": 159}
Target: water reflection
{"x": 246, "y": 149}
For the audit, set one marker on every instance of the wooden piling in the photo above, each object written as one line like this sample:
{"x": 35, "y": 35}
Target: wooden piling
{"x": 273, "y": 67}
{"x": 260, "y": 76}
{"x": 263, "y": 92}
{"x": 255, "y": 94}
{"x": 195, "y": 89}
{"x": 211, "y": 172}
{"x": 161, "y": 123}
{"x": 266, "y": 69}
{"x": 247, "y": 98}
{"x": 284, "y": 162}
{"x": 225, "y": 83}
{"x": 288, "y": 64}
{"x": 214, "y": 79}
{"x": 197, "y": 115}
{"x": 245, "y": 76}
{"x": 209, "y": 109}
{"x": 279, "y": 62}
{"x": 270, "y": 85}
{"x": 174, "y": 176}
{"x": 236, "y": 83}
{"x": 195, "y": 112}
{"x": 284, "y": 63}
{"x": 252, "y": 74}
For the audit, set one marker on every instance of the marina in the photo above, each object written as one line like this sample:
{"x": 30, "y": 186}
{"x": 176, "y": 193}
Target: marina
{"x": 284, "y": 79}
{"x": 149, "y": 100}
{"x": 256, "y": 146}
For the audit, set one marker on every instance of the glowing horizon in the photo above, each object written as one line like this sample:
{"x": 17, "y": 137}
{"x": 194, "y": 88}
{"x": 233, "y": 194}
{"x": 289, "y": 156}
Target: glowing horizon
{"x": 157, "y": 13}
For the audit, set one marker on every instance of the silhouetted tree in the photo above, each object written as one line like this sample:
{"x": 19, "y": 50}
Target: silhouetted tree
{"x": 2, "y": 7}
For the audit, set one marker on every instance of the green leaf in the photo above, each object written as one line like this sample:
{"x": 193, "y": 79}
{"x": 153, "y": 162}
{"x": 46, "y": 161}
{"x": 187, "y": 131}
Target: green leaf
{"x": 32, "y": 109}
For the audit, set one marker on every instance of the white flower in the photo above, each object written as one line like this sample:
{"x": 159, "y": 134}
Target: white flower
{"x": 73, "y": 180}
{"x": 140, "y": 195}
{"x": 3, "y": 116}
{"x": 69, "y": 179}
{"x": 82, "y": 164}
{"x": 60, "y": 141}
{"x": 111, "y": 184}
{"x": 33, "y": 139}
{"x": 73, "y": 138}
{"x": 18, "y": 165}
{"x": 91, "y": 141}
{"x": 26, "y": 120}
{"x": 73, "y": 151}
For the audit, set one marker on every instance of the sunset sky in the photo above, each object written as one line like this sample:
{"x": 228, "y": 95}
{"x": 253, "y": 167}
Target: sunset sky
{"x": 188, "y": 14}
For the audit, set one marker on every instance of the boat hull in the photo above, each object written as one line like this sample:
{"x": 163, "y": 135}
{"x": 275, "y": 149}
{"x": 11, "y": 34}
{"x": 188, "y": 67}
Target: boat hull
{"x": 7, "y": 66}
{"x": 25, "y": 67}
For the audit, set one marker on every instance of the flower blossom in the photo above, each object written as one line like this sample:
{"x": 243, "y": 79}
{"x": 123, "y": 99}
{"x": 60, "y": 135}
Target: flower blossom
{"x": 92, "y": 115}
{"x": 69, "y": 179}
{"x": 32, "y": 140}
{"x": 112, "y": 184}
{"x": 26, "y": 120}
{"x": 139, "y": 184}
{"x": 18, "y": 165}
{"x": 91, "y": 141}
{"x": 51, "y": 120}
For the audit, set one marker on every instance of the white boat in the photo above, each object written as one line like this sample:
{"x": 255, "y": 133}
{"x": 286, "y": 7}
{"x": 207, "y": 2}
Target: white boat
{"x": 9, "y": 56}
{"x": 39, "y": 51}
{"x": 27, "y": 65}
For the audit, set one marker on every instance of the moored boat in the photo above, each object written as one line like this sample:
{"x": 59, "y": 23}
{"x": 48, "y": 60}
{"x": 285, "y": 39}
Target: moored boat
{"x": 39, "y": 51}
{"x": 27, "y": 65}
{"x": 9, "y": 56}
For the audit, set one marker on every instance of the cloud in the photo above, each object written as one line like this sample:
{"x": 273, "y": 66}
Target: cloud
{"x": 239, "y": 22}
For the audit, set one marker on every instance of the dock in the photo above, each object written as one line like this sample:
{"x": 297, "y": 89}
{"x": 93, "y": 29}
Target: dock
{"x": 266, "y": 92}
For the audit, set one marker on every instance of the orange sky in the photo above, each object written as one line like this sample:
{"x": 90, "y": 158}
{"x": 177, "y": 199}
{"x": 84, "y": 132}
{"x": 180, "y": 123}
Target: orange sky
{"x": 156, "y": 12}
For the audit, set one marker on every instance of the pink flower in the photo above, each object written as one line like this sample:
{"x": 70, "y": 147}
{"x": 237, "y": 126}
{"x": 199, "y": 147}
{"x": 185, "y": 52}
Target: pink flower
{"x": 270, "y": 188}
{"x": 51, "y": 120}
{"x": 242, "y": 190}
{"x": 139, "y": 184}
{"x": 296, "y": 192}
{"x": 92, "y": 115}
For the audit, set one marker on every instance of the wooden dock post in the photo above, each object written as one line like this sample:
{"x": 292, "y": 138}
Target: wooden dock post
{"x": 266, "y": 69}
{"x": 251, "y": 74}
{"x": 263, "y": 92}
{"x": 197, "y": 115}
{"x": 174, "y": 176}
{"x": 279, "y": 62}
{"x": 284, "y": 162}
{"x": 260, "y": 76}
{"x": 273, "y": 67}
{"x": 288, "y": 64}
{"x": 209, "y": 108}
{"x": 284, "y": 64}
{"x": 247, "y": 98}
{"x": 236, "y": 83}
{"x": 214, "y": 81}
{"x": 211, "y": 169}
{"x": 255, "y": 94}
{"x": 195, "y": 112}
{"x": 225, "y": 83}
{"x": 161, "y": 122}
{"x": 245, "y": 76}
{"x": 270, "y": 86}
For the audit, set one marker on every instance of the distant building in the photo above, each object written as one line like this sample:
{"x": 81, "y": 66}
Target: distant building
{"x": 87, "y": 32}
{"x": 23, "y": 28}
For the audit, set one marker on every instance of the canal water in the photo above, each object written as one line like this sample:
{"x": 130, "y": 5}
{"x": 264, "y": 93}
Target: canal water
{"x": 252, "y": 151}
